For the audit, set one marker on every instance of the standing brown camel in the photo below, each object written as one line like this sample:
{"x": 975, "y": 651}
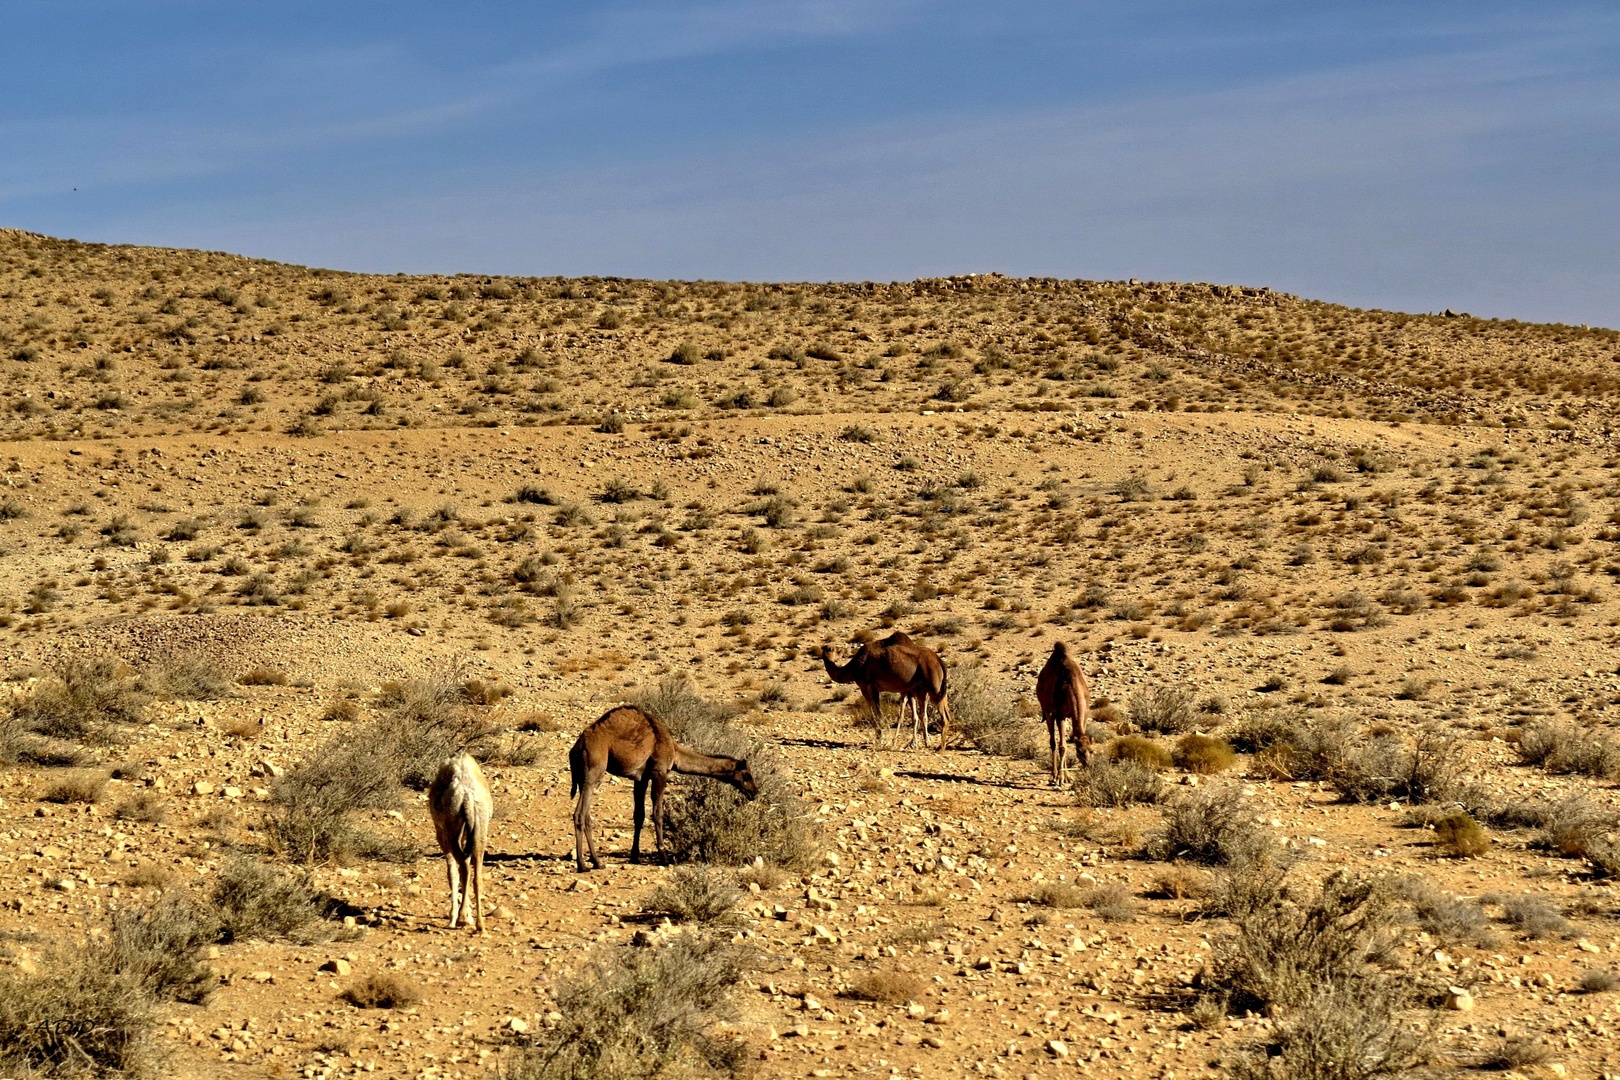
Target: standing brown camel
{"x": 461, "y": 806}
{"x": 1064, "y": 696}
{"x": 898, "y": 665}
{"x": 628, "y": 742}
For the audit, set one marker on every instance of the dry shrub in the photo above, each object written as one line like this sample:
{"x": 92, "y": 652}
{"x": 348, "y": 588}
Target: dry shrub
{"x": 344, "y": 709}
{"x": 382, "y": 990}
{"x": 251, "y": 900}
{"x": 242, "y": 727}
{"x": 1138, "y": 750}
{"x": 1517, "y": 1053}
{"x": 487, "y": 692}
{"x": 161, "y": 946}
{"x": 1289, "y": 949}
{"x": 1182, "y": 883}
{"x": 420, "y": 723}
{"x": 885, "y": 987}
{"x": 1058, "y": 896}
{"x": 1571, "y": 826}
{"x": 767, "y": 877}
{"x": 1531, "y": 916}
{"x": 1203, "y": 754}
{"x": 643, "y": 1012}
{"x": 1599, "y": 981}
{"x": 149, "y": 875}
{"x": 187, "y": 677}
{"x": 1116, "y": 783}
{"x": 1442, "y": 915}
{"x": 311, "y": 819}
{"x": 77, "y": 787}
{"x": 1111, "y": 903}
{"x": 83, "y": 701}
{"x": 706, "y": 821}
{"x": 262, "y": 676}
{"x": 538, "y": 721}
{"x": 1603, "y": 858}
{"x": 693, "y": 893}
{"x": 1459, "y": 834}
{"x": 1560, "y": 747}
{"x": 75, "y": 1016}
{"x": 986, "y": 713}
{"x": 1213, "y": 825}
{"x": 515, "y": 750}
{"x": 1165, "y": 709}
{"x": 1340, "y": 1034}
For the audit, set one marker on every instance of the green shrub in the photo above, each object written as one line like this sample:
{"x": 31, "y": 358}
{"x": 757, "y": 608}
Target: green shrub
{"x": 1142, "y": 751}
{"x": 1204, "y": 754}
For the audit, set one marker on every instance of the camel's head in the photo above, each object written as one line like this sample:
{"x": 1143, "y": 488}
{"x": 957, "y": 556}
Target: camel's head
{"x": 1060, "y": 650}
{"x": 744, "y": 780}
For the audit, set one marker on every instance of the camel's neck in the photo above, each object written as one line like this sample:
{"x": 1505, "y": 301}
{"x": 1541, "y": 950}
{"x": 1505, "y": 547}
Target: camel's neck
{"x": 838, "y": 674}
{"x": 695, "y": 764}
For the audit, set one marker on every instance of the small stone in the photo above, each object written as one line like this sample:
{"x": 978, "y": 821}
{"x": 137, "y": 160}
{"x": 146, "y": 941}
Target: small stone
{"x": 337, "y": 966}
{"x": 263, "y": 977}
{"x": 502, "y": 912}
{"x": 1586, "y": 946}
{"x": 413, "y": 889}
{"x": 202, "y": 787}
{"x": 1459, "y": 1000}
{"x": 941, "y": 1017}
{"x": 813, "y": 1004}
{"x": 933, "y": 1042}
{"x": 62, "y": 884}
{"x": 231, "y": 792}
{"x": 915, "y": 1011}
{"x": 1057, "y": 1048}
{"x": 517, "y": 1025}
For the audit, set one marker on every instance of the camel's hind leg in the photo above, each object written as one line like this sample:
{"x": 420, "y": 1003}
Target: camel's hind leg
{"x": 478, "y": 887}
{"x": 455, "y": 896}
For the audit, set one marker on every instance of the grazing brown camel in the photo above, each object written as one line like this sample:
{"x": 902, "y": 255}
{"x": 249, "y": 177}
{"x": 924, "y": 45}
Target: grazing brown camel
{"x": 628, "y": 742}
{"x": 461, "y": 806}
{"x": 1064, "y": 696}
{"x": 898, "y": 665}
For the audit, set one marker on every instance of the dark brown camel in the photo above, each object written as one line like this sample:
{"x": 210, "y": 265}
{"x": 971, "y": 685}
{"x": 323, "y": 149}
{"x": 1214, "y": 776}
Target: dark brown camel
{"x": 898, "y": 665}
{"x": 1064, "y": 696}
{"x": 630, "y": 743}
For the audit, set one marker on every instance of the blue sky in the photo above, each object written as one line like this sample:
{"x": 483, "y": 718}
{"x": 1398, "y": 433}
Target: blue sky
{"x": 1413, "y": 155}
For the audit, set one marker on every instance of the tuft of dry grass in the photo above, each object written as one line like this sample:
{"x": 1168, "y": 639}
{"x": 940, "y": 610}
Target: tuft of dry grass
{"x": 693, "y": 894}
{"x": 78, "y": 787}
{"x": 262, "y": 676}
{"x": 382, "y": 990}
{"x": 885, "y": 987}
